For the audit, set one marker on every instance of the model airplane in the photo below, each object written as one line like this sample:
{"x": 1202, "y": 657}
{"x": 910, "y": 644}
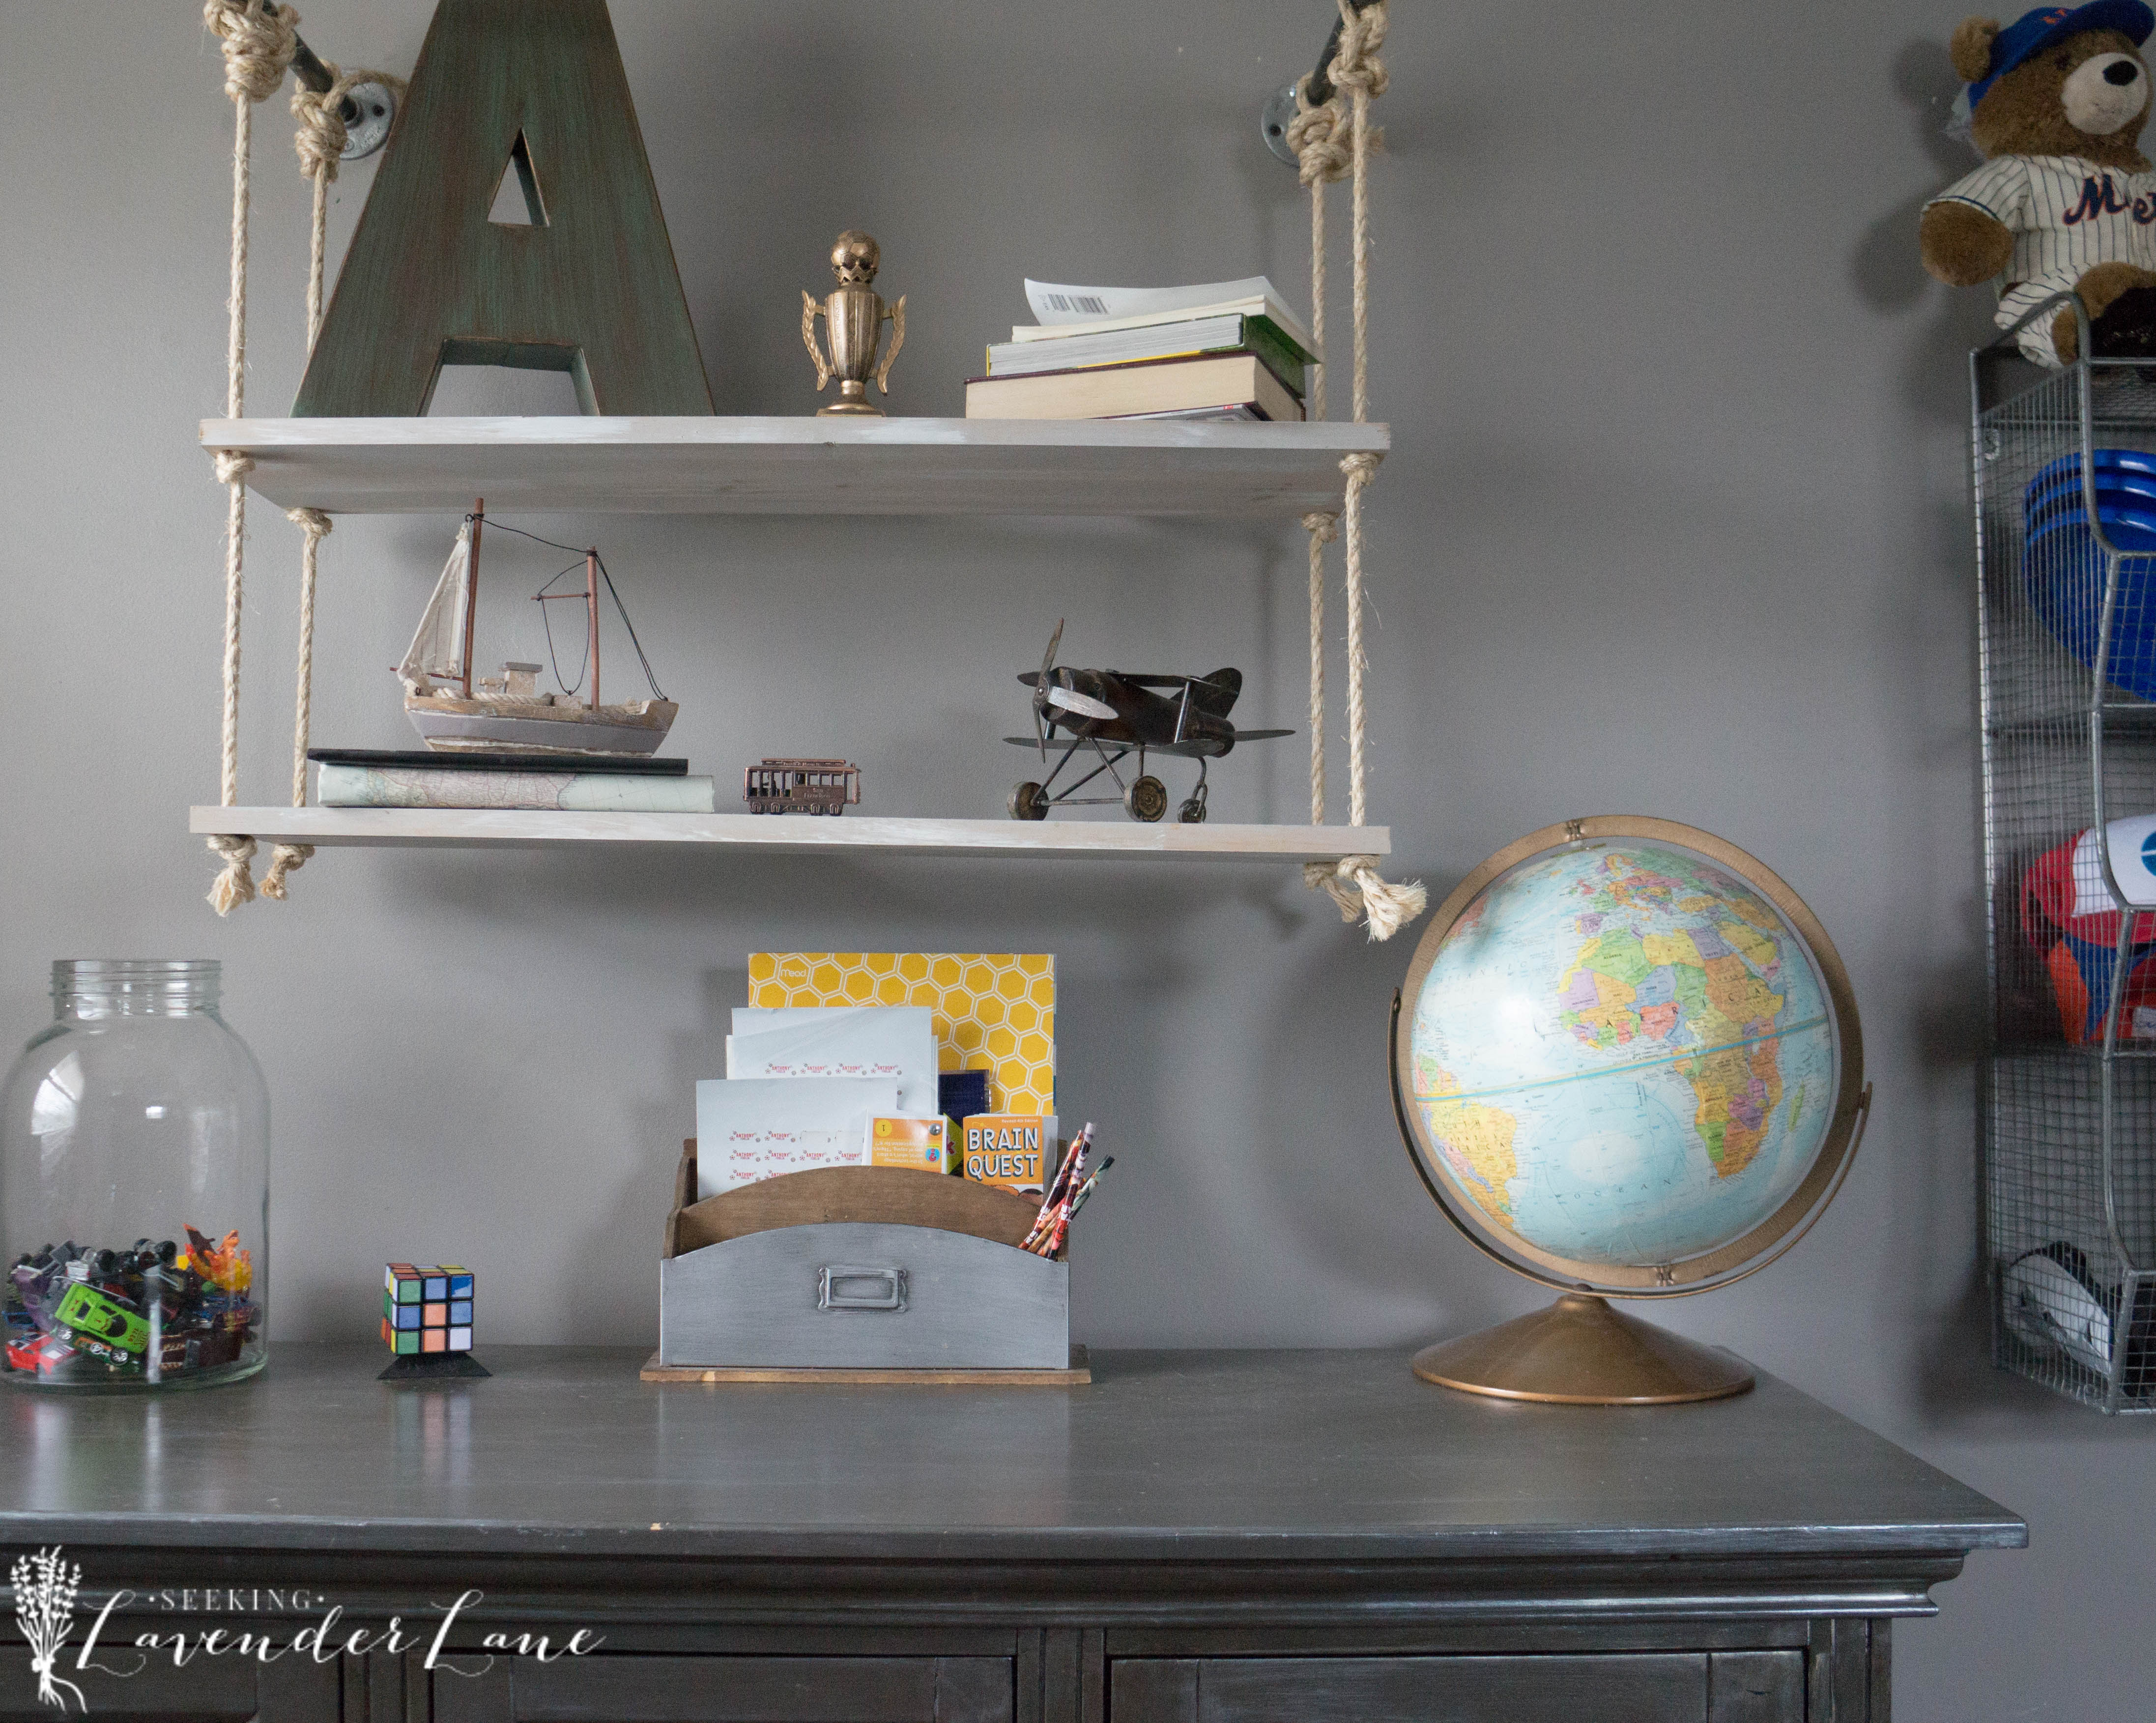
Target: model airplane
{"x": 1116, "y": 714}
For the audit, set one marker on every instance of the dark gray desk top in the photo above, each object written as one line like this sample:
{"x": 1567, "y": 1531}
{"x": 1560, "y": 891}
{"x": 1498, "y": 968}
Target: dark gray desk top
{"x": 1248, "y": 1455}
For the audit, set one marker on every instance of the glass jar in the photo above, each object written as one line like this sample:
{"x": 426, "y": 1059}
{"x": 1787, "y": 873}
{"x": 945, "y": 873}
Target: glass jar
{"x": 134, "y": 1186}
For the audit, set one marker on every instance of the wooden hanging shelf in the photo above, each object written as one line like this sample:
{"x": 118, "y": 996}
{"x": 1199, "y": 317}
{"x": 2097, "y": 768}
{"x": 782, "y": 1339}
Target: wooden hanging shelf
{"x": 802, "y": 465}
{"x": 485, "y": 828}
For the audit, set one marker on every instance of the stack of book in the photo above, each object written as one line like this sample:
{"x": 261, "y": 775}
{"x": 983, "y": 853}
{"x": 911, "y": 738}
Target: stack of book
{"x": 570, "y": 783}
{"x": 1227, "y": 350}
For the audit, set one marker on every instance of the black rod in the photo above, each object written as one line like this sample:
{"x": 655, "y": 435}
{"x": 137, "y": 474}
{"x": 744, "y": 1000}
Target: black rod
{"x": 1319, "y": 91}
{"x": 308, "y": 68}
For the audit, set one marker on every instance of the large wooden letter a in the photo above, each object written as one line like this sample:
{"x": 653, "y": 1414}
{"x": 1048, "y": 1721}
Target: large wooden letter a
{"x": 533, "y": 89}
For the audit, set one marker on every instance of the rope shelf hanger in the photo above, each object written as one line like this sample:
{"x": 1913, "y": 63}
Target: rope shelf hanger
{"x": 261, "y": 43}
{"x": 1332, "y": 143}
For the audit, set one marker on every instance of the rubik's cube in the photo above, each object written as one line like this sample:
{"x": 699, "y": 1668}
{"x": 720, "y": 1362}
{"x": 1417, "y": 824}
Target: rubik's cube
{"x": 427, "y": 1309}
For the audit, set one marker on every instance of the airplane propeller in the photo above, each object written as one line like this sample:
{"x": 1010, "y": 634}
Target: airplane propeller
{"x": 1040, "y": 688}
{"x": 1048, "y": 692}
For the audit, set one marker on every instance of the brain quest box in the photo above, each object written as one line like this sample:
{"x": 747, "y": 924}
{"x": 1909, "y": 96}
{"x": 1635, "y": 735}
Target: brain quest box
{"x": 1017, "y": 1151}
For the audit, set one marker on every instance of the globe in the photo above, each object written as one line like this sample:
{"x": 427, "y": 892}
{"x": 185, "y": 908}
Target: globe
{"x": 1627, "y": 1063}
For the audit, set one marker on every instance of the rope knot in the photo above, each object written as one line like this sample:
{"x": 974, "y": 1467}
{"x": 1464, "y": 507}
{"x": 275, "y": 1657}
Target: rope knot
{"x": 235, "y": 885}
{"x": 311, "y": 521}
{"x": 259, "y": 44}
{"x": 283, "y": 858}
{"x": 322, "y": 135}
{"x": 1361, "y": 467}
{"x": 231, "y": 465}
{"x": 1355, "y": 63}
{"x": 1318, "y": 137}
{"x": 1322, "y": 528}
{"x": 1357, "y": 888}
{"x": 321, "y": 138}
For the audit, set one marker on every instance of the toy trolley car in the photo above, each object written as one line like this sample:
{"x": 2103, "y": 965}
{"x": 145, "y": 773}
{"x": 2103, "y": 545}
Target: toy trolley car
{"x": 801, "y": 786}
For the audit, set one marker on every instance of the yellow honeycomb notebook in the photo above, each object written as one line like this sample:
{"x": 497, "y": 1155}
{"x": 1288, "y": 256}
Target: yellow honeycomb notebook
{"x": 992, "y": 1012}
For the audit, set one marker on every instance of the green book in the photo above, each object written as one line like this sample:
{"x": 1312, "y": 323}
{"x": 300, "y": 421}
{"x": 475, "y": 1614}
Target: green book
{"x": 1194, "y": 337}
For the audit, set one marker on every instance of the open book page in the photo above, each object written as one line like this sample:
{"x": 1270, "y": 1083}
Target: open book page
{"x": 1067, "y": 311}
{"x": 1055, "y": 303}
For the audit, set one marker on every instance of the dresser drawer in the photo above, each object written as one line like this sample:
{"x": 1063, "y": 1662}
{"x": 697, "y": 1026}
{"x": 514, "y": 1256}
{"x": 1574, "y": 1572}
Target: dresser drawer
{"x": 123, "y": 1682}
{"x": 1660, "y": 1687}
{"x": 606, "y": 1689}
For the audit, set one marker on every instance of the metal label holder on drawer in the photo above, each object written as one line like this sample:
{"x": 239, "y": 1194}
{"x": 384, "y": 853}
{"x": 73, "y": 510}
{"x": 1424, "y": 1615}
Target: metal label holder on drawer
{"x": 859, "y": 1274}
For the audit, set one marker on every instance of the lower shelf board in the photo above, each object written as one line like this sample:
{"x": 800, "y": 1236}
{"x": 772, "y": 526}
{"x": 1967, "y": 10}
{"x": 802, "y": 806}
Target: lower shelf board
{"x": 788, "y": 834}
{"x": 1080, "y": 1373}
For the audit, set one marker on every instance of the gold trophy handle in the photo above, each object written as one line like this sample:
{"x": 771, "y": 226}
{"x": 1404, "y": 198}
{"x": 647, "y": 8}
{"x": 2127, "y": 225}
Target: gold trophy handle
{"x": 898, "y": 314}
{"x": 809, "y": 309}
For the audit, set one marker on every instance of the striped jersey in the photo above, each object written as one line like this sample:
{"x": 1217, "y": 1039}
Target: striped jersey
{"x": 2067, "y": 216}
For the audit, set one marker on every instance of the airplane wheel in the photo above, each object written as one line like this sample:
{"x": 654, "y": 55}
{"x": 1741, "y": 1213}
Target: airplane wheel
{"x": 1192, "y": 813}
{"x": 1028, "y": 801}
{"x": 1147, "y": 798}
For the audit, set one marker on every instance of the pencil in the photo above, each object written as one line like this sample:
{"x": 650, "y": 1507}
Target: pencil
{"x": 1074, "y": 1159}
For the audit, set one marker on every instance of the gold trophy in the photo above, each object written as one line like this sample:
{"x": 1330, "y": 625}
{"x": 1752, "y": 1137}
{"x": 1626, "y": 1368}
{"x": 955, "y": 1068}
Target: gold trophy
{"x": 853, "y": 323}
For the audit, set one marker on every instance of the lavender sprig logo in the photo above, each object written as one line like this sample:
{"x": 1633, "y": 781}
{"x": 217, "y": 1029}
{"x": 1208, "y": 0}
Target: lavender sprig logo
{"x": 45, "y": 1587}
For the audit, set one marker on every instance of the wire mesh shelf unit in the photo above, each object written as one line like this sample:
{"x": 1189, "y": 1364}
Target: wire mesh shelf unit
{"x": 2065, "y": 471}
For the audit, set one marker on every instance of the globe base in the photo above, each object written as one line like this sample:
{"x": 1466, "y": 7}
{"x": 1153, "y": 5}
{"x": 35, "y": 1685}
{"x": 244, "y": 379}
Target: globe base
{"x": 1580, "y": 1352}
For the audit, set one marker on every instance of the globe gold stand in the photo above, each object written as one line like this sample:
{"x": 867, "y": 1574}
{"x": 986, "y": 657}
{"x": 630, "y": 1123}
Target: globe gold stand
{"x": 1581, "y": 1352}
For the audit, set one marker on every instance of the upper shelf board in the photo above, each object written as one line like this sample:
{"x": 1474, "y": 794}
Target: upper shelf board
{"x": 798, "y": 466}
{"x": 781, "y": 834}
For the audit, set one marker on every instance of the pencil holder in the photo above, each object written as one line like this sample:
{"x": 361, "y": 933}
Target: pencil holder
{"x": 858, "y": 1269}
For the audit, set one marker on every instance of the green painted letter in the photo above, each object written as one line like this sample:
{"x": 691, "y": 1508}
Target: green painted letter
{"x": 589, "y": 287}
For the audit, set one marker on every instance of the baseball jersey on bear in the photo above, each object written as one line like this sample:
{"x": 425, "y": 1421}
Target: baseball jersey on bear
{"x": 2067, "y": 215}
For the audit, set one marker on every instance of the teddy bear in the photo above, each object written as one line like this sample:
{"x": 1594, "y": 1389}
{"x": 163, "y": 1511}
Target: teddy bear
{"x": 2056, "y": 102}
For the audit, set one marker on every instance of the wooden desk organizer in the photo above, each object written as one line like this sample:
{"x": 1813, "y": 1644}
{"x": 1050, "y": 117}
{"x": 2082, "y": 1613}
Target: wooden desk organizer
{"x": 858, "y": 1274}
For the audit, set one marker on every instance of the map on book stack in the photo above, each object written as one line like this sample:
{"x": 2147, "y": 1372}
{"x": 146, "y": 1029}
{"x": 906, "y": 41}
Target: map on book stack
{"x": 1220, "y": 350}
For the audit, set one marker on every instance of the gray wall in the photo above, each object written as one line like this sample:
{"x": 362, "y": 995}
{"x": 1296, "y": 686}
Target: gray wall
{"x": 1674, "y": 524}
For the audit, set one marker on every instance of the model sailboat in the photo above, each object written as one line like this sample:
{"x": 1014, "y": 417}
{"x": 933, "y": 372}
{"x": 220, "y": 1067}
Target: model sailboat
{"x": 494, "y": 714}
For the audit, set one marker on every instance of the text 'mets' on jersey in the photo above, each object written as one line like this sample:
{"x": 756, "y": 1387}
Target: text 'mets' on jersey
{"x": 2067, "y": 215}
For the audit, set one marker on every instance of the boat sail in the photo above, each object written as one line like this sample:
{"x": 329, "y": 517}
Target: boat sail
{"x": 507, "y": 712}
{"x": 437, "y": 649}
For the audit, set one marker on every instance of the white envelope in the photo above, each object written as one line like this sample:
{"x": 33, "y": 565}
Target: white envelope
{"x": 896, "y": 1041}
{"x": 755, "y": 1128}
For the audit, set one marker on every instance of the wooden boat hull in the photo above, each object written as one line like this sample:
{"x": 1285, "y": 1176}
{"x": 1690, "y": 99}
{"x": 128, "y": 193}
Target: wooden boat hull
{"x": 448, "y": 725}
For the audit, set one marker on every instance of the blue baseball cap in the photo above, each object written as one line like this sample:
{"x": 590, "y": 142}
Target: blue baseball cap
{"x": 2029, "y": 34}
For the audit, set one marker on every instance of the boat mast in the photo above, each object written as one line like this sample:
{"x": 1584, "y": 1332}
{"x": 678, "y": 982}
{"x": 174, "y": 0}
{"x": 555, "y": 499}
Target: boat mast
{"x": 591, "y": 605}
{"x": 471, "y": 589}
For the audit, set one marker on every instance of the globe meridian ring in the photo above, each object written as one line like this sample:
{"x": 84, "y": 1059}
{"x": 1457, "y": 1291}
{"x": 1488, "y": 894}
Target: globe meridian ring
{"x": 1768, "y": 1234}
